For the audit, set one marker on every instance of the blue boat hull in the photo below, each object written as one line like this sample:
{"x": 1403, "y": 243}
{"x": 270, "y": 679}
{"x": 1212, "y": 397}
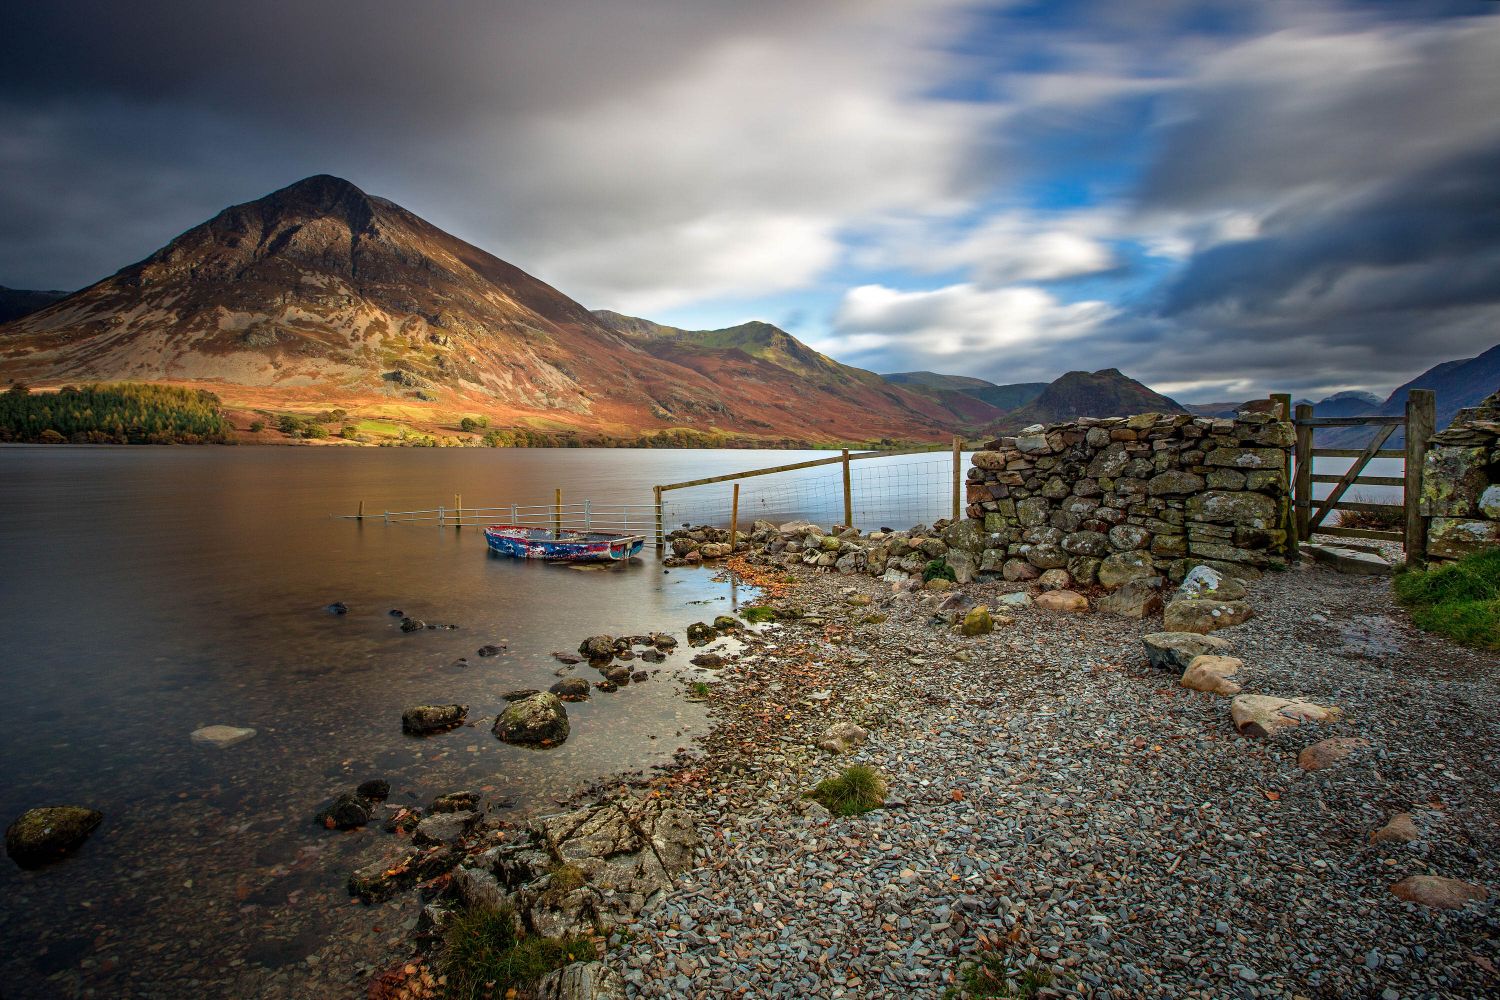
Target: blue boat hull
{"x": 572, "y": 546}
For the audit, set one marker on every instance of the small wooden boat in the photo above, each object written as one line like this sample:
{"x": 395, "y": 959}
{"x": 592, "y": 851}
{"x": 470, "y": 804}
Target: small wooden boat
{"x": 570, "y": 546}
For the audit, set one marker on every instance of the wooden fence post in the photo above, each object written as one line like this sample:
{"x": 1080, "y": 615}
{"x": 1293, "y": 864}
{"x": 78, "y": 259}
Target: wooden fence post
{"x": 958, "y": 474}
{"x": 1421, "y": 420}
{"x": 557, "y": 514}
{"x": 734, "y": 518}
{"x": 1302, "y": 490}
{"x": 1281, "y": 408}
{"x": 848, "y": 494}
{"x": 458, "y": 508}
{"x": 361, "y": 514}
{"x": 660, "y": 537}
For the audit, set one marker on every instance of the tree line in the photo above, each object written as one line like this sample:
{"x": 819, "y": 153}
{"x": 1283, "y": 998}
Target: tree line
{"x": 112, "y": 413}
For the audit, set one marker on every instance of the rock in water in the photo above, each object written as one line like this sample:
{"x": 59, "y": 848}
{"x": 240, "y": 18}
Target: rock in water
{"x": 397, "y": 868}
{"x": 977, "y": 622}
{"x": 420, "y": 720}
{"x": 1204, "y": 616}
{"x": 455, "y": 802}
{"x": 1438, "y": 892}
{"x": 582, "y": 981}
{"x": 1212, "y": 674}
{"x": 1261, "y": 715}
{"x": 597, "y": 647}
{"x": 568, "y": 689}
{"x": 540, "y": 720}
{"x": 412, "y": 625}
{"x": 220, "y": 736}
{"x": 1175, "y": 651}
{"x": 375, "y": 790}
{"x": 444, "y": 827}
{"x": 49, "y": 833}
{"x": 841, "y": 737}
{"x": 699, "y": 634}
{"x": 346, "y": 812}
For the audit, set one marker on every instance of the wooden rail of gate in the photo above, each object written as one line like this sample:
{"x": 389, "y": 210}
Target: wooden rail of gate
{"x": 1419, "y": 421}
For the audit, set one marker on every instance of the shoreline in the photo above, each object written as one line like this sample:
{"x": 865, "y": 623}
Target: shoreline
{"x": 1060, "y": 809}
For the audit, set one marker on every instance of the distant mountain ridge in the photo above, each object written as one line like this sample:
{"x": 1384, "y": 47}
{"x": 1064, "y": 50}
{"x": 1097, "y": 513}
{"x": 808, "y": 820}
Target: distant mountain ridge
{"x": 321, "y": 295}
{"x": 18, "y": 302}
{"x": 1002, "y": 397}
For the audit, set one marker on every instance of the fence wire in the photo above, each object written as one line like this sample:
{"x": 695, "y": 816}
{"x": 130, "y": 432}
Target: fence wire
{"x": 886, "y": 493}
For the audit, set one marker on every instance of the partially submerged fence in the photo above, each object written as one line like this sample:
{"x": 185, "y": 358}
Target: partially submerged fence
{"x": 1311, "y": 514}
{"x": 557, "y": 517}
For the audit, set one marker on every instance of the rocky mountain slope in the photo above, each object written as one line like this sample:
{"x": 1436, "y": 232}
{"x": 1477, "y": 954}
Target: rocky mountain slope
{"x": 1457, "y": 384}
{"x": 320, "y": 294}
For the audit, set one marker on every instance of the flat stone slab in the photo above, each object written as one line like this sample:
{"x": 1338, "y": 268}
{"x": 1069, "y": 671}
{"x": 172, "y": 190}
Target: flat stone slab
{"x": 221, "y": 736}
{"x": 1342, "y": 559}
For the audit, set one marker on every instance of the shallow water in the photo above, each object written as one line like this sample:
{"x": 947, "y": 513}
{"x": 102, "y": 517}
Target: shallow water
{"x": 151, "y": 591}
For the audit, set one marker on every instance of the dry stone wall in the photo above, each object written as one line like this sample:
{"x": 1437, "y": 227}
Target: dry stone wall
{"x": 1461, "y": 483}
{"x": 1121, "y": 498}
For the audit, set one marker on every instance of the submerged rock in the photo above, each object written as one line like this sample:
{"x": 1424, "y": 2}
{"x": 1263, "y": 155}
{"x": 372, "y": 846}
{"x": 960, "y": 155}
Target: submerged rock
{"x": 540, "y": 720}
{"x": 455, "y": 802}
{"x": 597, "y": 647}
{"x": 420, "y": 720}
{"x": 375, "y": 790}
{"x": 412, "y": 625}
{"x": 398, "y": 868}
{"x": 221, "y": 736}
{"x": 49, "y": 833}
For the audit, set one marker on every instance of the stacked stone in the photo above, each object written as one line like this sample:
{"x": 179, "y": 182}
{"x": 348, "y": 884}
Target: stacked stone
{"x": 1116, "y": 499}
{"x": 1461, "y": 483}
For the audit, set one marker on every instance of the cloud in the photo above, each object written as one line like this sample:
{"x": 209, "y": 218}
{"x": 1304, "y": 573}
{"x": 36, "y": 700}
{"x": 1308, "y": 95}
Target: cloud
{"x": 1007, "y": 248}
{"x": 1007, "y": 333}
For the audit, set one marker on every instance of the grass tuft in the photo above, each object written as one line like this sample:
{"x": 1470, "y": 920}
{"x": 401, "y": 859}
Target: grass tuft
{"x": 938, "y": 569}
{"x": 758, "y": 613}
{"x": 485, "y": 956}
{"x": 992, "y": 976}
{"x": 1460, "y": 600}
{"x": 857, "y": 790}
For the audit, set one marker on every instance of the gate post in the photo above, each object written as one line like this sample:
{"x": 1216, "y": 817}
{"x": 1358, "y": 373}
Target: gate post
{"x": 660, "y": 537}
{"x": 1421, "y": 418}
{"x": 1281, "y": 409}
{"x": 1302, "y": 490}
{"x": 848, "y": 494}
{"x": 958, "y": 475}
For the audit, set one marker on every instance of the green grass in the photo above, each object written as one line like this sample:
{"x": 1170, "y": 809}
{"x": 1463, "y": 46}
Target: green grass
{"x": 857, "y": 790}
{"x": 381, "y": 428}
{"x": 1460, "y": 600}
{"x": 992, "y": 976}
{"x": 698, "y": 689}
{"x": 938, "y": 569}
{"x": 758, "y": 613}
{"x": 484, "y": 956}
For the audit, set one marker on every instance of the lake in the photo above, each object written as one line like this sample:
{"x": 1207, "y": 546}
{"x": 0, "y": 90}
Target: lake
{"x": 152, "y": 591}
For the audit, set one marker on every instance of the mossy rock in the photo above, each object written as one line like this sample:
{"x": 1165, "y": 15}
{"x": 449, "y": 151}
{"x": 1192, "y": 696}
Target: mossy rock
{"x": 49, "y": 833}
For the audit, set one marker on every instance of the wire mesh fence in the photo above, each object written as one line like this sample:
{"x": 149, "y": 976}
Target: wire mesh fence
{"x": 893, "y": 492}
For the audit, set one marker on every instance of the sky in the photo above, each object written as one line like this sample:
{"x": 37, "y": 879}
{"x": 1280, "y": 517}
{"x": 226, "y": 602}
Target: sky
{"x": 1220, "y": 199}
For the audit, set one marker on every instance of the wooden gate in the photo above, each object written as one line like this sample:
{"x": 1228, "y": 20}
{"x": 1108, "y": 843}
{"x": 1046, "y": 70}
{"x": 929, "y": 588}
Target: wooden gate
{"x": 1311, "y": 514}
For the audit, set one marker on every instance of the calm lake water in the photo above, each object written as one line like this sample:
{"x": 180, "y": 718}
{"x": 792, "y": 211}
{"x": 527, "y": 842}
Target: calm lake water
{"x": 151, "y": 591}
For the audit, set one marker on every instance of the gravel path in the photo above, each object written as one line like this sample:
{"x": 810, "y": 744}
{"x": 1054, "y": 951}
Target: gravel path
{"x": 1059, "y": 806}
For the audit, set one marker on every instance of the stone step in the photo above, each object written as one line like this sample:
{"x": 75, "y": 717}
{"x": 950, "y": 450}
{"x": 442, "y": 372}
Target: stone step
{"x": 1344, "y": 559}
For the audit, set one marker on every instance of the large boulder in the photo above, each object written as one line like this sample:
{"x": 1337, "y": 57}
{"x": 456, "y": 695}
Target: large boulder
{"x": 1326, "y": 753}
{"x": 540, "y": 720}
{"x": 48, "y": 833}
{"x": 1120, "y": 568}
{"x": 1439, "y": 893}
{"x": 1136, "y": 599}
{"x": 1207, "y": 583}
{"x": 1204, "y": 616}
{"x": 977, "y": 622}
{"x": 1062, "y": 600}
{"x": 1176, "y": 651}
{"x": 1257, "y": 715}
{"x": 396, "y": 868}
{"x": 420, "y": 720}
{"x": 1212, "y": 674}
{"x": 582, "y": 981}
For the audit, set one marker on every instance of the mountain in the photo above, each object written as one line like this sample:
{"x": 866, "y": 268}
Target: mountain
{"x": 321, "y": 295}
{"x": 1105, "y": 393}
{"x": 1457, "y": 384}
{"x": 1352, "y": 403}
{"x": 1001, "y": 397}
{"x": 18, "y": 302}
